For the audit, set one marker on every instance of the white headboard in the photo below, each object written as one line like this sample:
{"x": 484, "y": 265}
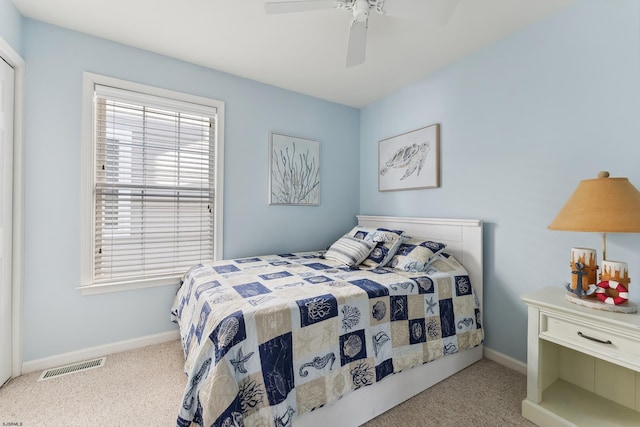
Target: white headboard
{"x": 463, "y": 238}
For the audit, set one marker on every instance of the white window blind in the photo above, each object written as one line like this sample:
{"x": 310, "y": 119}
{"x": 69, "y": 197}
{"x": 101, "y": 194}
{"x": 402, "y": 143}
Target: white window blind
{"x": 154, "y": 185}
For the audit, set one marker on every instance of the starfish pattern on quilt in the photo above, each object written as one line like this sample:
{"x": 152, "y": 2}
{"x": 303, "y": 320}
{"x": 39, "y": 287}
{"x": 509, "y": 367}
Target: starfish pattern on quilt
{"x": 240, "y": 360}
{"x": 431, "y": 305}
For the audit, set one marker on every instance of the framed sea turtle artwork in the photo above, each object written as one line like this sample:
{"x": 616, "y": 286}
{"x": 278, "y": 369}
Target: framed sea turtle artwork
{"x": 410, "y": 161}
{"x": 294, "y": 171}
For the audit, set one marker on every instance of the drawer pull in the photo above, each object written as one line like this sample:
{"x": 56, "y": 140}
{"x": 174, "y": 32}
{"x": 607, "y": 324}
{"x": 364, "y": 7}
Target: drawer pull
{"x": 594, "y": 339}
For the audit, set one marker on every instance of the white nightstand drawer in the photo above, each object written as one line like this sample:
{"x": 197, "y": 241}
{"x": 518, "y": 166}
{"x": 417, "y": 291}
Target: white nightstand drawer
{"x": 588, "y": 338}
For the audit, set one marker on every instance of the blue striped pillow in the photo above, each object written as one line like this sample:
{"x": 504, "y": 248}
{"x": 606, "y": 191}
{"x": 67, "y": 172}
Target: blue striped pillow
{"x": 349, "y": 250}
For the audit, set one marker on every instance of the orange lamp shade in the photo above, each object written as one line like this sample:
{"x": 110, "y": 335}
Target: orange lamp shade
{"x": 607, "y": 205}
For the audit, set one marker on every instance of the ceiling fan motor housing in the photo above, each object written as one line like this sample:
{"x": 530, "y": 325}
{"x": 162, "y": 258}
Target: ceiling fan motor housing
{"x": 360, "y": 8}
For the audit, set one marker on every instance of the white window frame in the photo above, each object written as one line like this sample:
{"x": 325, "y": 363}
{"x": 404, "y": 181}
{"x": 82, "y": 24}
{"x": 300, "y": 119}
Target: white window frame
{"x": 90, "y": 80}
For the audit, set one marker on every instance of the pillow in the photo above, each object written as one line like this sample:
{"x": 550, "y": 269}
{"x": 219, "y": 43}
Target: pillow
{"x": 387, "y": 243}
{"x": 349, "y": 250}
{"x": 416, "y": 254}
{"x": 445, "y": 263}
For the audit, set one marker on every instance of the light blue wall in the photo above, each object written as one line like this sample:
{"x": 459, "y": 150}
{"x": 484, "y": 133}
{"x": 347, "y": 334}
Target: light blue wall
{"x": 523, "y": 121}
{"x": 11, "y": 25}
{"x": 57, "y": 319}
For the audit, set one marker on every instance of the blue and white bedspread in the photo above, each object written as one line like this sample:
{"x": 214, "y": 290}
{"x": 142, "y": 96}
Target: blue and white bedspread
{"x": 269, "y": 338}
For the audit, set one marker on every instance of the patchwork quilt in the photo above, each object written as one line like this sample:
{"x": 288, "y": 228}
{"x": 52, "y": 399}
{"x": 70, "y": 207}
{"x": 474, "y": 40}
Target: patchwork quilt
{"x": 269, "y": 338}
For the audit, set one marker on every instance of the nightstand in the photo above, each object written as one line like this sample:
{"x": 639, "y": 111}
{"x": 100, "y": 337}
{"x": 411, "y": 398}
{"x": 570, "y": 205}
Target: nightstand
{"x": 583, "y": 365}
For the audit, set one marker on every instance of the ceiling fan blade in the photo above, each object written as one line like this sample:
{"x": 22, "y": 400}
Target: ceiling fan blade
{"x": 436, "y": 12}
{"x": 298, "y": 6}
{"x": 357, "y": 47}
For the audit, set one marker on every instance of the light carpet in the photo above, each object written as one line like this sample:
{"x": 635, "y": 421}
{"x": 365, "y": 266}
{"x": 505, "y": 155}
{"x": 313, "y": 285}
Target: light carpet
{"x": 143, "y": 387}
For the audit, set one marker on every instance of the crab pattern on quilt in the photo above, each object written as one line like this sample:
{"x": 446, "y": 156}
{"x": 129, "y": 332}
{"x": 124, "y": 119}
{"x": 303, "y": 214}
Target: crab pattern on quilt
{"x": 269, "y": 338}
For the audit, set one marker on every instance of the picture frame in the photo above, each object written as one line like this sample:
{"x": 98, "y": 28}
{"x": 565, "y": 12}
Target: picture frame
{"x": 410, "y": 161}
{"x": 294, "y": 170}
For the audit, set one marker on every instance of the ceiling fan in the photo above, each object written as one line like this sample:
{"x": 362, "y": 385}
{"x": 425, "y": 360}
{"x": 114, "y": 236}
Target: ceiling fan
{"x": 436, "y": 12}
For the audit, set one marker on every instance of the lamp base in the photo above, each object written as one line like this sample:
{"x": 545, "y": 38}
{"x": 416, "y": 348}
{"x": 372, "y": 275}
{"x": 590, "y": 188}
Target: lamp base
{"x": 628, "y": 307}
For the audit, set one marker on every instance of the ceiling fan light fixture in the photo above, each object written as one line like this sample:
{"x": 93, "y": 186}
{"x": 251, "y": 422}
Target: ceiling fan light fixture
{"x": 361, "y": 10}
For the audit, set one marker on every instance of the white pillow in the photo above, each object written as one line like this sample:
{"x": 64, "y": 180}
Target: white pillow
{"x": 349, "y": 250}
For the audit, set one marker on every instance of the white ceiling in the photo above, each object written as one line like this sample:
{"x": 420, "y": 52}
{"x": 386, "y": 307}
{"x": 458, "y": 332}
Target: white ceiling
{"x": 303, "y": 52}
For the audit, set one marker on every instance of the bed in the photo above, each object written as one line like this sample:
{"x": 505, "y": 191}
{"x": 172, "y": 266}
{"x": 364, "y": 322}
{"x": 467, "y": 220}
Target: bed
{"x": 304, "y": 340}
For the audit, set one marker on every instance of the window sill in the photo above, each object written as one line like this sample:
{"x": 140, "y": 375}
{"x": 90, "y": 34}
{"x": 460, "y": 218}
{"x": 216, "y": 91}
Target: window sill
{"x": 104, "y": 288}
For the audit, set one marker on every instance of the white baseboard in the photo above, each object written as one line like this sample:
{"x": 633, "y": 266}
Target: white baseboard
{"x": 505, "y": 360}
{"x": 102, "y": 350}
{"x": 99, "y": 351}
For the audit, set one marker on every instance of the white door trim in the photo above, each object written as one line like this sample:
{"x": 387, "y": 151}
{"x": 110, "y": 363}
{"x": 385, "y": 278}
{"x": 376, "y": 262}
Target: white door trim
{"x": 12, "y": 57}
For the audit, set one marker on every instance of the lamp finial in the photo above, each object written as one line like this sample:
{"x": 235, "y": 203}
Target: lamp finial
{"x": 603, "y": 174}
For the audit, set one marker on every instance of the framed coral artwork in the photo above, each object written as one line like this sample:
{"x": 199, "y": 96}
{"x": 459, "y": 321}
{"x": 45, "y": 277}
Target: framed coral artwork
{"x": 410, "y": 161}
{"x": 294, "y": 171}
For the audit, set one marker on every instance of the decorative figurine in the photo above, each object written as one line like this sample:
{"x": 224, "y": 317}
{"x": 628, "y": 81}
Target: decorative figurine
{"x": 614, "y": 283}
{"x": 585, "y": 275}
{"x": 580, "y": 289}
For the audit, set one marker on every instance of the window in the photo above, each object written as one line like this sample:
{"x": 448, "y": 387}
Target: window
{"x": 155, "y": 188}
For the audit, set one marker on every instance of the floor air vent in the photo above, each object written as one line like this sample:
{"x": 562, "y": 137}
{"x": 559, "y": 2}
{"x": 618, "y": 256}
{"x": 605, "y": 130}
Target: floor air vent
{"x": 72, "y": 369}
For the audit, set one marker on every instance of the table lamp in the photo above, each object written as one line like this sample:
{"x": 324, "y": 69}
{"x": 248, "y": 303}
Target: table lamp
{"x": 603, "y": 205}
